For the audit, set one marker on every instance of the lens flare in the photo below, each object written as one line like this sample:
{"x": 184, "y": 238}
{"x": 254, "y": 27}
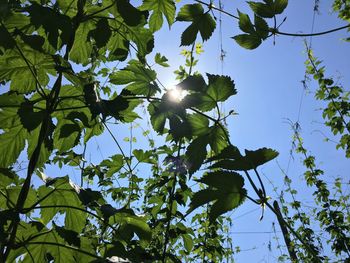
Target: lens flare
{"x": 176, "y": 94}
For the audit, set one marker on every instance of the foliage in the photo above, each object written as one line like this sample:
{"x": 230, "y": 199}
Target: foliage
{"x": 53, "y": 56}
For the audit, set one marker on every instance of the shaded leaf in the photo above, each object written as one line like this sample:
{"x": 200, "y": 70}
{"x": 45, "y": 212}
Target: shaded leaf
{"x": 131, "y": 15}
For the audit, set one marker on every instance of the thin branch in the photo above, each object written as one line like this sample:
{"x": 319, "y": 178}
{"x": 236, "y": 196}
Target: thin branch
{"x": 311, "y": 34}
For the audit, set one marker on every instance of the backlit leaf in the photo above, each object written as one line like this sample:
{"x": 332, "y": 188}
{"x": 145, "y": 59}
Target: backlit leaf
{"x": 160, "y": 8}
{"x": 248, "y": 41}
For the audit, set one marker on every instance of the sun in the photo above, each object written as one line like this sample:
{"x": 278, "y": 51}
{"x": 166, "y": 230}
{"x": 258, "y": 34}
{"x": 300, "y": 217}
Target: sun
{"x": 176, "y": 94}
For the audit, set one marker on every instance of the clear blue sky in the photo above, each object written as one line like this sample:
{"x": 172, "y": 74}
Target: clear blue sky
{"x": 268, "y": 81}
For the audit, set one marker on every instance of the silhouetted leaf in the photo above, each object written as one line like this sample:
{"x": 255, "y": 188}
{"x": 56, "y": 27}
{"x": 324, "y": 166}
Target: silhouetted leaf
{"x": 201, "y": 22}
{"x": 251, "y": 160}
{"x": 225, "y": 188}
{"x": 196, "y": 153}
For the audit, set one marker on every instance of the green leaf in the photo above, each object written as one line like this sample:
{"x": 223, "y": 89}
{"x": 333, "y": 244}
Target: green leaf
{"x": 12, "y": 193}
{"x": 218, "y": 138}
{"x": 158, "y": 118}
{"x": 113, "y": 164}
{"x": 57, "y": 195}
{"x": 34, "y": 41}
{"x": 67, "y": 135}
{"x": 268, "y": 9}
{"x": 82, "y": 47}
{"x": 7, "y": 177}
{"x": 193, "y": 83}
{"x": 6, "y": 40}
{"x": 144, "y": 156}
{"x": 161, "y": 60}
{"x": 71, "y": 237}
{"x": 261, "y": 9}
{"x": 188, "y": 12}
{"x": 201, "y": 22}
{"x": 188, "y": 242}
{"x": 136, "y": 223}
{"x": 12, "y": 143}
{"x": 230, "y": 152}
{"x": 260, "y": 156}
{"x": 196, "y": 153}
{"x": 220, "y": 88}
{"x": 30, "y": 119}
{"x": 280, "y": 5}
{"x": 223, "y": 180}
{"x": 227, "y": 203}
{"x": 248, "y": 41}
{"x": 262, "y": 29}
{"x": 131, "y": 15}
{"x": 245, "y": 24}
{"x": 46, "y": 146}
{"x": 138, "y": 78}
{"x": 48, "y": 245}
{"x": 101, "y": 33}
{"x": 251, "y": 160}
{"x": 160, "y": 8}
{"x": 203, "y": 197}
{"x": 57, "y": 26}
{"x": 199, "y": 124}
{"x": 14, "y": 67}
{"x": 225, "y": 189}
{"x": 9, "y": 103}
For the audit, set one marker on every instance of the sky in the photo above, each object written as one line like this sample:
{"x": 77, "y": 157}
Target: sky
{"x": 270, "y": 93}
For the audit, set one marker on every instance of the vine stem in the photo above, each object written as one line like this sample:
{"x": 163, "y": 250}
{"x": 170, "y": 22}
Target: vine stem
{"x": 275, "y": 31}
{"x": 5, "y": 250}
{"x": 169, "y": 212}
{"x": 285, "y": 224}
{"x": 51, "y": 104}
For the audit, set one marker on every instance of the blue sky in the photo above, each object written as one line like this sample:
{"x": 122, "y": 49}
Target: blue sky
{"x": 270, "y": 92}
